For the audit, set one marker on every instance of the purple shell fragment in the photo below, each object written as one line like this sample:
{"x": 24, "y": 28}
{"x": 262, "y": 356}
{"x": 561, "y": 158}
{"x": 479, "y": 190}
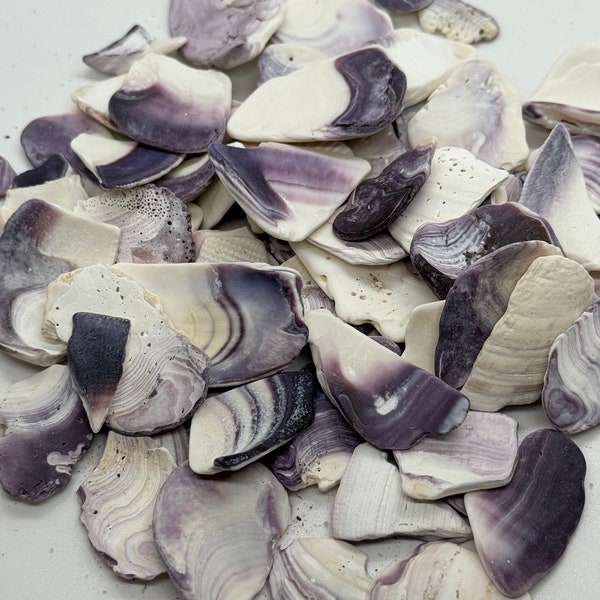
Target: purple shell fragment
{"x": 188, "y": 180}
{"x": 7, "y": 174}
{"x": 587, "y": 152}
{"x": 378, "y": 201}
{"x": 54, "y": 167}
{"x": 522, "y": 529}
{"x": 403, "y": 6}
{"x": 45, "y": 432}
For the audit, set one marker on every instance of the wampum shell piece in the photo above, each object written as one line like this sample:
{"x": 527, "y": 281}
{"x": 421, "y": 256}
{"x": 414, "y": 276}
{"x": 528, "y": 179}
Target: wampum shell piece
{"x": 345, "y": 97}
{"x": 316, "y": 567}
{"x": 237, "y": 427}
{"x": 224, "y": 33}
{"x": 288, "y": 191}
{"x": 512, "y": 362}
{"x": 569, "y": 394}
{"x": 234, "y": 245}
{"x": 440, "y": 252}
{"x": 190, "y": 178}
{"x": 403, "y": 6}
{"x": 422, "y": 332}
{"x": 7, "y": 175}
{"x": 440, "y": 570}
{"x": 44, "y": 432}
{"x": 281, "y": 59}
{"x": 216, "y": 534}
{"x": 458, "y": 21}
{"x": 155, "y": 225}
{"x": 333, "y": 27}
{"x": 491, "y": 127}
{"x": 555, "y": 189}
{"x": 231, "y": 311}
{"x": 476, "y": 302}
{"x": 381, "y": 509}
{"x": 164, "y": 374}
{"x": 38, "y": 243}
{"x": 95, "y": 354}
{"x": 391, "y": 403}
{"x": 587, "y": 151}
{"x": 165, "y": 104}
{"x": 118, "y": 500}
{"x": 54, "y": 167}
{"x": 312, "y": 295}
{"x": 479, "y": 454}
{"x": 522, "y": 529}
{"x": 319, "y": 453}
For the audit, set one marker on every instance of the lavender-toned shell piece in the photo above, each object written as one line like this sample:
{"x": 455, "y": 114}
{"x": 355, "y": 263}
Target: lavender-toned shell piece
{"x": 155, "y": 225}
{"x": 458, "y": 21}
{"x": 246, "y": 317}
{"x": 7, "y": 174}
{"x": 92, "y": 99}
{"x": 440, "y": 252}
{"x": 129, "y": 474}
{"x": 237, "y": 427}
{"x": 587, "y": 152}
{"x": 117, "y": 57}
{"x": 320, "y": 453}
{"x": 287, "y": 190}
{"x": 319, "y": 568}
{"x": 378, "y": 201}
{"x": 45, "y": 432}
{"x": 491, "y": 128}
{"x": 380, "y": 509}
{"x": 475, "y": 303}
{"x": 333, "y": 27}
{"x": 555, "y": 189}
{"x": 176, "y": 441}
{"x": 569, "y": 396}
{"x": 224, "y": 33}
{"x": 522, "y": 529}
{"x": 479, "y": 454}
{"x": 217, "y": 533}
{"x": 441, "y": 570}
{"x": 345, "y": 97}
{"x": 403, "y": 6}
{"x": 281, "y": 59}
{"x": 166, "y": 104}
{"x": 391, "y": 403}
{"x": 38, "y": 243}
{"x": 189, "y": 179}
{"x": 95, "y": 354}
{"x": 54, "y": 167}
{"x": 568, "y": 93}
{"x": 123, "y": 163}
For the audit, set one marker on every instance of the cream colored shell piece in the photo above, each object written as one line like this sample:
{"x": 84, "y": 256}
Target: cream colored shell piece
{"x": 510, "y": 368}
{"x": 422, "y": 335}
{"x": 237, "y": 245}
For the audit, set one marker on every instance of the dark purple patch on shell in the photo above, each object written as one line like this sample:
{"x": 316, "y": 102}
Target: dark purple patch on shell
{"x": 403, "y": 6}
{"x": 7, "y": 174}
{"x": 54, "y": 167}
{"x": 187, "y": 184}
{"x": 522, "y": 529}
{"x": 378, "y": 201}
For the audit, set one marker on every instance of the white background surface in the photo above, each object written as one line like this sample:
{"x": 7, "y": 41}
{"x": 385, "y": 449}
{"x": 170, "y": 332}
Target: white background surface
{"x": 44, "y": 551}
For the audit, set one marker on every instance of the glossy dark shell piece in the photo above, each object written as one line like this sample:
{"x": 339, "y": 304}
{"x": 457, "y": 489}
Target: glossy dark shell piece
{"x": 378, "y": 201}
{"x": 54, "y": 167}
{"x": 188, "y": 180}
{"x": 403, "y": 6}
{"x": 7, "y": 174}
{"x": 522, "y": 529}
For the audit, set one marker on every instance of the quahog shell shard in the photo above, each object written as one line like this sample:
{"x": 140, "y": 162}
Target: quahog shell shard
{"x": 587, "y": 151}
{"x": 480, "y": 453}
{"x": 118, "y": 500}
{"x": 288, "y": 191}
{"x": 379, "y": 508}
{"x": 491, "y": 126}
{"x": 422, "y": 332}
{"x": 190, "y": 178}
{"x": 281, "y": 59}
{"x": 247, "y": 317}
{"x": 314, "y": 567}
{"x": 234, "y": 245}
{"x": 350, "y": 96}
{"x": 546, "y": 300}
{"x": 7, "y": 175}
{"x": 333, "y": 27}
{"x": 45, "y": 432}
{"x": 224, "y": 33}
{"x": 568, "y": 93}
{"x": 217, "y": 534}
{"x": 522, "y": 529}
{"x": 569, "y": 395}
{"x": 166, "y": 104}
{"x": 237, "y": 427}
{"x": 403, "y": 6}
{"x": 54, "y": 167}
{"x": 390, "y": 402}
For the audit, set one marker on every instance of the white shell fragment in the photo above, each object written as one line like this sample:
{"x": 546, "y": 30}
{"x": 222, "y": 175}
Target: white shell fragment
{"x": 480, "y": 453}
{"x": 491, "y": 125}
{"x": 129, "y": 474}
{"x": 237, "y": 245}
{"x": 319, "y": 568}
{"x": 421, "y": 335}
{"x": 381, "y": 509}
{"x": 281, "y": 59}
{"x": 458, "y": 183}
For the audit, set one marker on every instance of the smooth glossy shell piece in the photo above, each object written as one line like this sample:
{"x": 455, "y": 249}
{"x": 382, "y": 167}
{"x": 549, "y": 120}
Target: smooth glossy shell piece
{"x": 522, "y": 529}
{"x": 403, "y": 6}
{"x": 344, "y": 97}
{"x": 232, "y": 429}
{"x": 190, "y": 178}
{"x": 390, "y": 402}
{"x": 7, "y": 175}
{"x": 247, "y": 317}
{"x": 45, "y": 432}
{"x": 587, "y": 151}
{"x": 422, "y": 333}
{"x": 281, "y": 59}
{"x": 117, "y": 504}
{"x": 54, "y": 167}
{"x": 217, "y": 533}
